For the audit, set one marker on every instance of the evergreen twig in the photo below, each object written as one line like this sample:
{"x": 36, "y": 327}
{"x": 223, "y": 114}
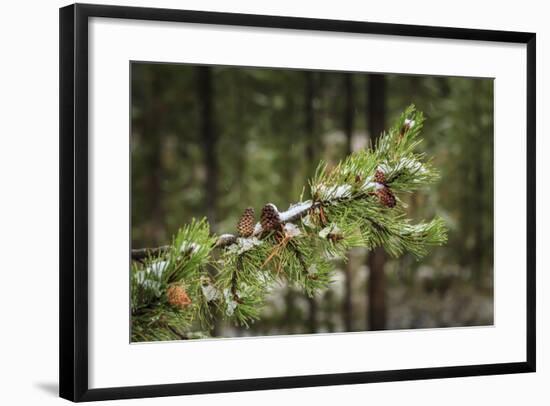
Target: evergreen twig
{"x": 354, "y": 204}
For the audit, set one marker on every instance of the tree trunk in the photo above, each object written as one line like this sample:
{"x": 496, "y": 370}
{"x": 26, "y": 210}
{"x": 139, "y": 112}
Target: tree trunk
{"x": 348, "y": 129}
{"x": 152, "y": 131}
{"x": 478, "y": 206}
{"x": 376, "y": 121}
{"x": 209, "y": 140}
{"x": 311, "y": 159}
{"x": 208, "y": 135}
{"x": 293, "y": 319}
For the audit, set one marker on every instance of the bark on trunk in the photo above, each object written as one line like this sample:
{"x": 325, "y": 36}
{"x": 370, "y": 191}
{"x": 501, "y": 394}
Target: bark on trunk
{"x": 348, "y": 129}
{"x": 311, "y": 159}
{"x": 209, "y": 141}
{"x": 152, "y": 131}
{"x": 210, "y": 161}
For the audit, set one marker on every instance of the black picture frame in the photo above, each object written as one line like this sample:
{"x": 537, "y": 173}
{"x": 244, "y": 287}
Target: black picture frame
{"x": 73, "y": 281}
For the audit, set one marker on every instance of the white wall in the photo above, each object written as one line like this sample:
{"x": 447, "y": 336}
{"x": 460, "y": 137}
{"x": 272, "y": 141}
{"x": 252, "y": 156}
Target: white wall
{"x": 29, "y": 207}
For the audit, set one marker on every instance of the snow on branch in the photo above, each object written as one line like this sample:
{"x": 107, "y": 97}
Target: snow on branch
{"x": 180, "y": 286}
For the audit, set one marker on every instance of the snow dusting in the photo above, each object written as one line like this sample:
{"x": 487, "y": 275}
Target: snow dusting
{"x": 334, "y": 192}
{"x": 330, "y": 229}
{"x": 369, "y": 185}
{"x": 273, "y": 206}
{"x": 152, "y": 285}
{"x": 411, "y": 164}
{"x": 157, "y": 268}
{"x": 291, "y": 230}
{"x": 409, "y": 123}
{"x": 189, "y": 247}
{"x": 210, "y": 292}
{"x": 244, "y": 244}
{"x": 257, "y": 229}
{"x": 231, "y": 304}
{"x": 295, "y": 210}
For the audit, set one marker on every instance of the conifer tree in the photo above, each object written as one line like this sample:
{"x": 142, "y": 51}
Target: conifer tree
{"x": 175, "y": 295}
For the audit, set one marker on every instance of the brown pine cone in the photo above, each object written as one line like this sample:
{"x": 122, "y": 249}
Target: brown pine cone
{"x": 178, "y": 297}
{"x": 270, "y": 217}
{"x": 246, "y": 224}
{"x": 386, "y": 197}
{"x": 380, "y": 177}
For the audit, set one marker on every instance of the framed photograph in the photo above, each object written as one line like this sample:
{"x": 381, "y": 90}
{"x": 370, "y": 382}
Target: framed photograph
{"x": 257, "y": 202}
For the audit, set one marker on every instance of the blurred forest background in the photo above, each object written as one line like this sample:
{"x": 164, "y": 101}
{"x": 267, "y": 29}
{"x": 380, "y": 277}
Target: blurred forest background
{"x": 210, "y": 141}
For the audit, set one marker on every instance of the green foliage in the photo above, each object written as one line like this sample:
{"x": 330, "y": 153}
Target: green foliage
{"x": 242, "y": 280}
{"x": 184, "y": 263}
{"x": 346, "y": 211}
{"x": 350, "y": 191}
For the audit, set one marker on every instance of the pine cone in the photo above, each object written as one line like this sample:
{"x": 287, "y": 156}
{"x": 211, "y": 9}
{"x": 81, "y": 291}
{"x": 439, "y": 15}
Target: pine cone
{"x": 270, "y": 217}
{"x": 177, "y": 297}
{"x": 386, "y": 197}
{"x": 246, "y": 224}
{"x": 380, "y": 177}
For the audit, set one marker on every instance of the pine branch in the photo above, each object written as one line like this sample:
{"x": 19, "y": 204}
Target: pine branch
{"x": 295, "y": 213}
{"x": 354, "y": 204}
